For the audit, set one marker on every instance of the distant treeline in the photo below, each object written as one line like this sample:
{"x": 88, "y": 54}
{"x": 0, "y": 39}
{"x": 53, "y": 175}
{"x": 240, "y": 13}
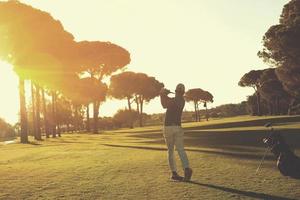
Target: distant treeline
{"x": 6, "y": 130}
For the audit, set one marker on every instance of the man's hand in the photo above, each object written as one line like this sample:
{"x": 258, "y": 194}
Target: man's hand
{"x": 164, "y": 91}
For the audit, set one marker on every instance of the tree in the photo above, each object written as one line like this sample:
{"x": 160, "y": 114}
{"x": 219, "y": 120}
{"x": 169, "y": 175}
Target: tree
{"x": 46, "y": 42}
{"x": 273, "y": 92}
{"x": 92, "y": 90}
{"x": 252, "y": 105}
{"x": 124, "y": 118}
{"x": 45, "y": 114}
{"x": 229, "y": 110}
{"x": 6, "y": 130}
{"x": 88, "y": 90}
{"x": 138, "y": 87}
{"x": 146, "y": 89}
{"x": 100, "y": 59}
{"x": 33, "y": 104}
{"x": 194, "y": 95}
{"x": 197, "y": 96}
{"x": 282, "y": 48}
{"x": 252, "y": 79}
{"x": 63, "y": 113}
{"x": 122, "y": 87}
{"x": 23, "y": 112}
{"x": 206, "y": 98}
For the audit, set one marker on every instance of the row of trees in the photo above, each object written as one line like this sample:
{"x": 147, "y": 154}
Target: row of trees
{"x": 277, "y": 90}
{"x": 229, "y": 110}
{"x": 43, "y": 52}
{"x": 67, "y": 76}
{"x": 142, "y": 87}
{"x": 270, "y": 97}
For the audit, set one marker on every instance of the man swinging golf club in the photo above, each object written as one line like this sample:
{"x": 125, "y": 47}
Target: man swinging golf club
{"x": 173, "y": 133}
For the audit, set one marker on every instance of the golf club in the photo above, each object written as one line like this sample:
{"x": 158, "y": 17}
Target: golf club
{"x": 266, "y": 151}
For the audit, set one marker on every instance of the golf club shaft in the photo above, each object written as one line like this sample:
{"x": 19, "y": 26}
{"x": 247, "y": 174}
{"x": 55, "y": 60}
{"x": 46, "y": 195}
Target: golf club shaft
{"x": 262, "y": 160}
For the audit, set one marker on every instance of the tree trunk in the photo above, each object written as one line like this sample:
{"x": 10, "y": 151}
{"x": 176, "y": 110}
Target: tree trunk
{"x": 38, "y": 117}
{"x": 58, "y": 130}
{"x": 46, "y": 124}
{"x": 137, "y": 105}
{"x": 57, "y": 122}
{"x": 130, "y": 111}
{"x": 88, "y": 128}
{"x": 277, "y": 106}
{"x": 96, "y": 113}
{"x": 196, "y": 111}
{"x": 290, "y": 106}
{"x": 53, "y": 114}
{"x": 141, "y": 102}
{"x": 23, "y": 113}
{"x": 33, "y": 111}
{"x": 258, "y": 103}
{"x": 75, "y": 121}
{"x": 206, "y": 113}
{"x": 271, "y": 108}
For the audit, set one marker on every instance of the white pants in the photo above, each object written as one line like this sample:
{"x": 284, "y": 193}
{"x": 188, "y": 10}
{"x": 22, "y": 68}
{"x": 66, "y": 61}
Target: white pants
{"x": 174, "y": 137}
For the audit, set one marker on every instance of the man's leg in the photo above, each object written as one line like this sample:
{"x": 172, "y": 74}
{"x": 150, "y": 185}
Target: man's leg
{"x": 170, "y": 141}
{"x": 179, "y": 137}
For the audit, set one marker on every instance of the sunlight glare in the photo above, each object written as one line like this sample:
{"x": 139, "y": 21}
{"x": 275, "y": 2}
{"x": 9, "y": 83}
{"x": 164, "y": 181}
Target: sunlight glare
{"x": 9, "y": 88}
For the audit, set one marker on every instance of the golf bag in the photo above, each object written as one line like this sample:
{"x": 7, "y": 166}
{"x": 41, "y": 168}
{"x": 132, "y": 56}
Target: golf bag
{"x": 287, "y": 162}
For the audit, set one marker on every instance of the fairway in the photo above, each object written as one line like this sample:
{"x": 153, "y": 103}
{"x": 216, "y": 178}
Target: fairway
{"x": 131, "y": 164}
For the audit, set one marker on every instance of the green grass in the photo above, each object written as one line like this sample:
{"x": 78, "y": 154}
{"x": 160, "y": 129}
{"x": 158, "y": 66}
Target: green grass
{"x": 131, "y": 164}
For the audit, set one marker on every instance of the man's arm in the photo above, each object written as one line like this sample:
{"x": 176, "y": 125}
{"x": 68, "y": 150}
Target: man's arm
{"x": 166, "y": 101}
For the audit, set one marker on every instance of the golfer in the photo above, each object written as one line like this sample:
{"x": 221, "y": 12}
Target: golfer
{"x": 173, "y": 133}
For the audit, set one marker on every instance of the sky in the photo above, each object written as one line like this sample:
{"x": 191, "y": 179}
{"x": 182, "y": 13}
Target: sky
{"x": 200, "y": 43}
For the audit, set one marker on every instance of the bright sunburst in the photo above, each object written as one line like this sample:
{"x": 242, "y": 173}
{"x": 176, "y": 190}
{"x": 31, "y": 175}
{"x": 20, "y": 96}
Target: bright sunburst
{"x": 9, "y": 97}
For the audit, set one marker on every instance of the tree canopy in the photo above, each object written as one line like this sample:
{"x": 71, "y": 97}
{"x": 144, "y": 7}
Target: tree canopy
{"x": 40, "y": 49}
{"x": 102, "y": 58}
{"x": 251, "y": 79}
{"x": 139, "y": 86}
{"x": 282, "y": 47}
{"x": 197, "y": 95}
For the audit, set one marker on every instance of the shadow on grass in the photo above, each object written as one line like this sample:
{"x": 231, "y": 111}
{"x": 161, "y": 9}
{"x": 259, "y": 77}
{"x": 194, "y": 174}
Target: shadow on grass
{"x": 240, "y": 192}
{"x": 255, "y": 122}
{"x": 7, "y": 139}
{"x": 215, "y": 152}
{"x": 71, "y": 142}
{"x": 250, "y": 123}
{"x": 218, "y": 138}
{"x": 141, "y": 131}
{"x": 33, "y": 143}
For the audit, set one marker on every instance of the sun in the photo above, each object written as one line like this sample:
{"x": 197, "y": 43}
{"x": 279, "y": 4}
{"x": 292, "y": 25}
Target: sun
{"x": 9, "y": 101}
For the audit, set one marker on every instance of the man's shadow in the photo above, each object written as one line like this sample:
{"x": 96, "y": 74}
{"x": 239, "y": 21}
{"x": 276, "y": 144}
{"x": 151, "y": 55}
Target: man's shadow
{"x": 240, "y": 192}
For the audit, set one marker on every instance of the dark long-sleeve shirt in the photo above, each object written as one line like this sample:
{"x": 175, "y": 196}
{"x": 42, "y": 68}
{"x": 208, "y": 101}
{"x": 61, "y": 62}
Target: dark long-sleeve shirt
{"x": 174, "y": 108}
